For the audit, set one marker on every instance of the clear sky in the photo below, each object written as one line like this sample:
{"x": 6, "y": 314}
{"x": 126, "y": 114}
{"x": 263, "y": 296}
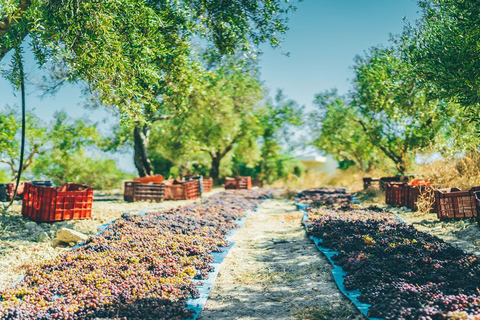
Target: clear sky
{"x": 324, "y": 37}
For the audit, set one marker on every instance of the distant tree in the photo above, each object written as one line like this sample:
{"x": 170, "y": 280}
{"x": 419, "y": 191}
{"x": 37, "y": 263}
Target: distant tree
{"x": 10, "y": 130}
{"x": 278, "y": 120}
{"x": 395, "y": 109}
{"x": 99, "y": 173}
{"x": 67, "y": 139}
{"x": 337, "y": 131}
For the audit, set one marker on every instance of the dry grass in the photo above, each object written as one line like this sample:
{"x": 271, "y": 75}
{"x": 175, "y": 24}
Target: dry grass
{"x": 425, "y": 201}
{"x": 328, "y": 312}
{"x": 451, "y": 172}
{"x": 350, "y": 179}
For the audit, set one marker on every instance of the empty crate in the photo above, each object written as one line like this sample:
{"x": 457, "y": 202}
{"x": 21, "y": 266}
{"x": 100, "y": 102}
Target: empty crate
{"x": 395, "y": 194}
{"x": 238, "y": 183}
{"x": 413, "y": 193}
{"x": 46, "y": 204}
{"x": 453, "y": 203}
{"x": 137, "y": 191}
{"x": 182, "y": 190}
{"x": 207, "y": 184}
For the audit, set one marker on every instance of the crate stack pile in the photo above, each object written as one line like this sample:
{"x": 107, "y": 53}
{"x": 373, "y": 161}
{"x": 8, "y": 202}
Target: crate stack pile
{"x": 447, "y": 203}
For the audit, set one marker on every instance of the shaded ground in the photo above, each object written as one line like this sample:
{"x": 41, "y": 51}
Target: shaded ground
{"x": 275, "y": 272}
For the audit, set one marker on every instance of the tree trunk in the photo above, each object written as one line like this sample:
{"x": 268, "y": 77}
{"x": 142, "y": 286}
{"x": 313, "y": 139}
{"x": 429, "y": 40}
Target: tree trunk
{"x": 142, "y": 162}
{"x": 401, "y": 166}
{"x": 215, "y": 169}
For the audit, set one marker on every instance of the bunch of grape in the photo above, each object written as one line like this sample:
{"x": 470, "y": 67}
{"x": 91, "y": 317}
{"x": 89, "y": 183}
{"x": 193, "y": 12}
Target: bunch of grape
{"x": 402, "y": 272}
{"x": 141, "y": 267}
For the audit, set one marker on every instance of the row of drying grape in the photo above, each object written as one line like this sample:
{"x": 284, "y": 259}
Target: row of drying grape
{"x": 141, "y": 267}
{"x": 326, "y": 196}
{"x": 402, "y": 272}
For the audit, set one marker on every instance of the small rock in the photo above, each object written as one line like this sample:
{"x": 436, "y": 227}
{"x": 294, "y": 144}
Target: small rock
{"x": 31, "y": 225}
{"x": 72, "y": 244}
{"x": 69, "y": 235}
{"x": 126, "y": 215}
{"x": 55, "y": 243}
{"x": 42, "y": 236}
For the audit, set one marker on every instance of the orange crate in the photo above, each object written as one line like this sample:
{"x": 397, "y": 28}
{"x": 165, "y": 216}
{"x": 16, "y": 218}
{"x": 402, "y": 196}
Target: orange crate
{"x": 154, "y": 179}
{"x": 137, "y": 191}
{"x": 47, "y": 204}
{"x": 453, "y": 203}
{"x": 182, "y": 190}
{"x": 419, "y": 182}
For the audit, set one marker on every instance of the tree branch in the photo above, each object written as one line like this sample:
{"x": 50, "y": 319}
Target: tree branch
{"x": 162, "y": 117}
{"x": 388, "y": 153}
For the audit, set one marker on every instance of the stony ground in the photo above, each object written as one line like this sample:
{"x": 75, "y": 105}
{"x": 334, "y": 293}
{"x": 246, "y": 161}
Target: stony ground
{"x": 275, "y": 272}
{"x": 23, "y": 242}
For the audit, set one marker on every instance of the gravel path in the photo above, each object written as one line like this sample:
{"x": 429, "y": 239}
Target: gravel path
{"x": 275, "y": 272}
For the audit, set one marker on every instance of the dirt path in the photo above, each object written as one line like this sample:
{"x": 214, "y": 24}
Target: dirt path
{"x": 275, "y": 272}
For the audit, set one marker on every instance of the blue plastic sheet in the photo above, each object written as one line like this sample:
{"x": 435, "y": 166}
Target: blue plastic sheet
{"x": 337, "y": 271}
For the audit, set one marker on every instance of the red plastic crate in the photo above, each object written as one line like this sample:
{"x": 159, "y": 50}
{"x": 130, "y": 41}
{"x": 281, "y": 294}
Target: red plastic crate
{"x": 244, "y": 182}
{"x": 453, "y": 203}
{"x": 46, "y": 204}
{"x": 395, "y": 194}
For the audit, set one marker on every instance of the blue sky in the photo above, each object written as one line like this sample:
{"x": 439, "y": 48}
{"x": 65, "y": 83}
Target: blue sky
{"x": 324, "y": 37}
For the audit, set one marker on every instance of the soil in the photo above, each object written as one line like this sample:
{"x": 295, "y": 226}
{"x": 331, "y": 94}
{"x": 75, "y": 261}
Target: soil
{"x": 274, "y": 271}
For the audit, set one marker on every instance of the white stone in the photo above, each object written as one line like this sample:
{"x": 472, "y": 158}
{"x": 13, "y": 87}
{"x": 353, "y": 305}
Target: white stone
{"x": 42, "y": 236}
{"x": 69, "y": 235}
{"x": 31, "y": 225}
